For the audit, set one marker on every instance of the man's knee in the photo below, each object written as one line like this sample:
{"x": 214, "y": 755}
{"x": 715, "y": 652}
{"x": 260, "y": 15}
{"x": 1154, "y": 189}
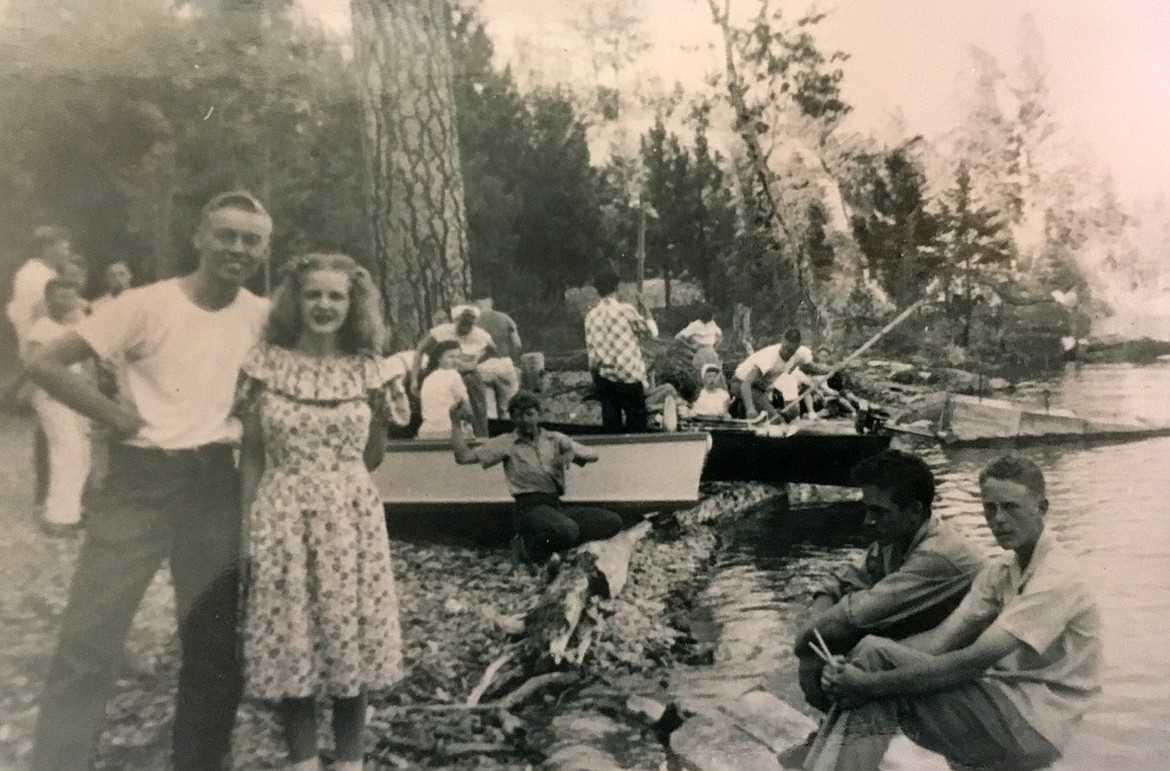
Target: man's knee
{"x": 809, "y": 676}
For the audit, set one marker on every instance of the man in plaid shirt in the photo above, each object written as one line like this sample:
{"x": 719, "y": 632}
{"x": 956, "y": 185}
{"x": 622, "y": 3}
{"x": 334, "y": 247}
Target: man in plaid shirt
{"x": 612, "y": 333}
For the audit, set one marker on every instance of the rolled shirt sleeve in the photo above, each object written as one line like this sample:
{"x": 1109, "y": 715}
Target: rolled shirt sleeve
{"x": 924, "y": 581}
{"x": 493, "y": 451}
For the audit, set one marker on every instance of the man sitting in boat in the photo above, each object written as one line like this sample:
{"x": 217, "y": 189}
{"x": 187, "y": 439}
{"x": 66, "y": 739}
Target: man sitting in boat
{"x": 714, "y": 399}
{"x": 757, "y": 374}
{"x": 535, "y": 460}
{"x": 1004, "y": 680}
{"x": 912, "y": 576}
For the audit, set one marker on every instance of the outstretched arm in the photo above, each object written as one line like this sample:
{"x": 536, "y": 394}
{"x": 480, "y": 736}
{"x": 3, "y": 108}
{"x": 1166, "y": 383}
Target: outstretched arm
{"x": 464, "y": 455}
{"x": 50, "y": 369}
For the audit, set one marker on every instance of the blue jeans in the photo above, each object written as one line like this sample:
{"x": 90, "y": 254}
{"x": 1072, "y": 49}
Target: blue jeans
{"x": 181, "y": 506}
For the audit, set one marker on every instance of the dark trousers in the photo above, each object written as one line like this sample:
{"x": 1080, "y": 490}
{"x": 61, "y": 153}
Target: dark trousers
{"x": 546, "y": 526}
{"x": 477, "y": 397}
{"x": 181, "y": 506}
{"x": 620, "y": 400}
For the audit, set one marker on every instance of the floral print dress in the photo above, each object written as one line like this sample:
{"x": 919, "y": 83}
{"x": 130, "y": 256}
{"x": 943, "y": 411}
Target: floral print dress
{"x": 321, "y": 613}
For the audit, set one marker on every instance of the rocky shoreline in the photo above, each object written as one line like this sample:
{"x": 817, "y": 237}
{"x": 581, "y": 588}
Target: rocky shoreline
{"x": 463, "y": 608}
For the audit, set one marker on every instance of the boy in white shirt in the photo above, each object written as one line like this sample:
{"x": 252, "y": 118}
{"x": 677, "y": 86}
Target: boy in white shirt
{"x": 713, "y": 400}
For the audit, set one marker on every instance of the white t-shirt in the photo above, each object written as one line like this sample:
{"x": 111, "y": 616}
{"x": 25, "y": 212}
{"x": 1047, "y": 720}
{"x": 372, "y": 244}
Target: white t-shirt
{"x": 471, "y": 345}
{"x": 771, "y": 364}
{"x": 712, "y": 403}
{"x": 177, "y": 363}
{"x": 440, "y": 391}
{"x": 28, "y": 297}
{"x": 702, "y": 333}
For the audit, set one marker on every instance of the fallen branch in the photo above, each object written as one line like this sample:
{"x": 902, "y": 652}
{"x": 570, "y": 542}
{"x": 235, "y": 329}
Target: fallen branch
{"x": 489, "y": 675}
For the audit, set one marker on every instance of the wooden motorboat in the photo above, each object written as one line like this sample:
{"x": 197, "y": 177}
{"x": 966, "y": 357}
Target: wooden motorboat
{"x": 957, "y": 420}
{"x": 421, "y": 483}
{"x": 814, "y": 452}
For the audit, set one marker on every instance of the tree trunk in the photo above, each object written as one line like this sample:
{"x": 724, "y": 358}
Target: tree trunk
{"x": 415, "y": 186}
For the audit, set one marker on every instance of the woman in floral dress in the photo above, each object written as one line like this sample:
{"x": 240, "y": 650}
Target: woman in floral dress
{"x": 321, "y": 614}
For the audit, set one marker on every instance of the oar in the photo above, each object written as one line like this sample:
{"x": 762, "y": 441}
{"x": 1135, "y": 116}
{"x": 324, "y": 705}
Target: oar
{"x": 870, "y": 343}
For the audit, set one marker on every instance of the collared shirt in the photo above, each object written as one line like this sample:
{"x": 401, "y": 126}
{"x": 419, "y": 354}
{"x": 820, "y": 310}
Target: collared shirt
{"x": 1053, "y": 677}
{"x": 771, "y": 364}
{"x": 534, "y": 465}
{"x": 890, "y": 586}
{"x": 612, "y": 332}
{"x": 712, "y": 403}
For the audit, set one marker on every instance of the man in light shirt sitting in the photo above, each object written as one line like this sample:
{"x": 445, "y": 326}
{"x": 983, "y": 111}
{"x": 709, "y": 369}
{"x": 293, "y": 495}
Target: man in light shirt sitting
{"x": 1004, "y": 680}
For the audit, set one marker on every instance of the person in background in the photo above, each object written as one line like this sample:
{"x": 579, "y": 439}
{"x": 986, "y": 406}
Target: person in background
{"x": 51, "y": 250}
{"x": 172, "y": 492}
{"x": 441, "y": 389}
{"x": 475, "y": 346}
{"x": 911, "y": 577}
{"x": 321, "y": 610}
{"x": 613, "y": 334}
{"x": 758, "y": 373}
{"x": 67, "y": 432}
{"x": 116, "y": 279}
{"x": 75, "y": 272}
{"x": 1004, "y": 681}
{"x": 502, "y": 373}
{"x": 535, "y": 460}
{"x": 713, "y": 400}
{"x": 703, "y": 335}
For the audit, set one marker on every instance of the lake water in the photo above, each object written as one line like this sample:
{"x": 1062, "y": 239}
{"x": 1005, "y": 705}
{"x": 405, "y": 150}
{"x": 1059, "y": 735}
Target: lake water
{"x": 1110, "y": 507}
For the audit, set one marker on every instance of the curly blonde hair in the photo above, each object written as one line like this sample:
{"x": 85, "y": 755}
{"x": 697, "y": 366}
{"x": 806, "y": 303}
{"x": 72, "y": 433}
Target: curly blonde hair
{"x": 362, "y": 332}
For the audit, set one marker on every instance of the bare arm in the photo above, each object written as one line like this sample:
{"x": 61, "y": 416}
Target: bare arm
{"x": 50, "y": 370}
{"x": 464, "y": 455}
{"x": 582, "y": 455}
{"x": 938, "y": 672}
{"x": 745, "y": 393}
{"x": 252, "y": 462}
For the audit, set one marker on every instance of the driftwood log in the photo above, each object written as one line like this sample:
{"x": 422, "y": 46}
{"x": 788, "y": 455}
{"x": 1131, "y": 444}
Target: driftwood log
{"x": 598, "y": 567}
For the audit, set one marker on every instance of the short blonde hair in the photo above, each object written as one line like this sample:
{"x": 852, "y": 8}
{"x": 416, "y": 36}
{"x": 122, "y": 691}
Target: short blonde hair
{"x": 362, "y": 332}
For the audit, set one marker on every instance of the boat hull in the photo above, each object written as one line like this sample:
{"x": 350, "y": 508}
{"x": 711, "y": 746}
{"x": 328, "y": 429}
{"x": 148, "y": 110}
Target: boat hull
{"x": 744, "y": 456}
{"x": 424, "y": 488}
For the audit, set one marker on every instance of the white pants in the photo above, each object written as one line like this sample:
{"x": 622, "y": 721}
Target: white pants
{"x": 69, "y": 458}
{"x": 502, "y": 378}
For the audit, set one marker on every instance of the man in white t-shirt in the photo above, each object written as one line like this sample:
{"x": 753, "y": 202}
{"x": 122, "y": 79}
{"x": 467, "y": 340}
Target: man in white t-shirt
{"x": 66, "y": 431}
{"x": 758, "y": 374}
{"x": 172, "y": 491}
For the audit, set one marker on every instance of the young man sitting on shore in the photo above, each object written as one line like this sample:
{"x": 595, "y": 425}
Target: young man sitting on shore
{"x": 535, "y": 460}
{"x": 912, "y": 576}
{"x": 1004, "y": 680}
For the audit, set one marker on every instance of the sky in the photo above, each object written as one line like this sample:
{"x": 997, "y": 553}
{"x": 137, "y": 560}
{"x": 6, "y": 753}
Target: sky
{"x": 1108, "y": 61}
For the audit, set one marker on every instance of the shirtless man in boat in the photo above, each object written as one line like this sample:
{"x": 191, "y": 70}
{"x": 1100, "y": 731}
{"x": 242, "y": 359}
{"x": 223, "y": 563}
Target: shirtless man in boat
{"x": 912, "y": 576}
{"x": 535, "y": 460}
{"x": 1004, "y": 680}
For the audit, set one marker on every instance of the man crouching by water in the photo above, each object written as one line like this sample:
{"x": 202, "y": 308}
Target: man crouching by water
{"x": 1002, "y": 682}
{"x": 912, "y": 576}
{"x": 534, "y": 461}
